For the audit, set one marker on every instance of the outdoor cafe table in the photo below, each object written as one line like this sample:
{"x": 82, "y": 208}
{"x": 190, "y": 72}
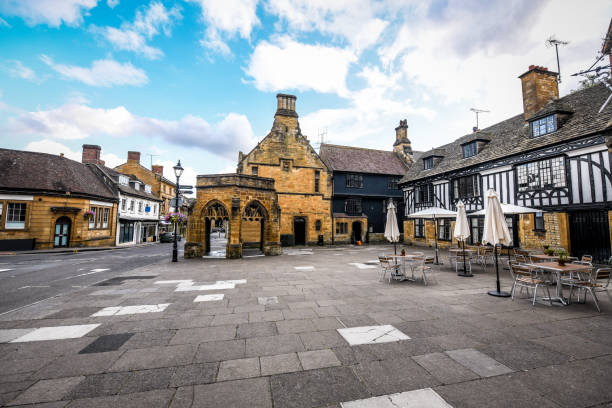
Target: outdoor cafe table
{"x": 558, "y": 270}
{"x": 403, "y": 259}
{"x": 537, "y": 258}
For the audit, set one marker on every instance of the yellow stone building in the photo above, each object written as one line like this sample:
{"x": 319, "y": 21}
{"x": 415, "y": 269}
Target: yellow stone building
{"x": 280, "y": 195}
{"x": 301, "y": 179}
{"x": 45, "y": 201}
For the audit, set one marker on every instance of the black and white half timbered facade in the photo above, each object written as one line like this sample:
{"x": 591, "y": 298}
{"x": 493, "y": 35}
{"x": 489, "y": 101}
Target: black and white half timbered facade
{"x": 553, "y": 158}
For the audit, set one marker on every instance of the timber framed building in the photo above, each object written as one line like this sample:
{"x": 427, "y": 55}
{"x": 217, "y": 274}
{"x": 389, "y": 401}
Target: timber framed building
{"x": 553, "y": 157}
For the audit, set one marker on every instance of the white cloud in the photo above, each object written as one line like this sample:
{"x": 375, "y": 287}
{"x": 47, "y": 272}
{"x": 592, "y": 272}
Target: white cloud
{"x": 112, "y": 3}
{"x": 78, "y": 121}
{"x": 355, "y": 21}
{"x": 4, "y": 23}
{"x": 50, "y": 12}
{"x": 372, "y": 114}
{"x": 148, "y": 22}
{"x": 286, "y": 64}
{"x": 111, "y": 160}
{"x": 52, "y": 147}
{"x": 18, "y": 70}
{"x": 103, "y": 73}
{"x": 226, "y": 19}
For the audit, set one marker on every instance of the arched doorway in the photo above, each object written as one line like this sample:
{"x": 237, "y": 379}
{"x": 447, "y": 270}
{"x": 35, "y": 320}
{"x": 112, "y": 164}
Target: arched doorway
{"x": 215, "y": 228}
{"x": 357, "y": 232}
{"x": 252, "y": 226}
{"x": 299, "y": 230}
{"x": 61, "y": 238}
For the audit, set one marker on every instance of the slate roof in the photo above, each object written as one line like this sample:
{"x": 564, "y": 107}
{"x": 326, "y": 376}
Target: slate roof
{"x": 42, "y": 172}
{"x": 114, "y": 175}
{"x": 361, "y": 160}
{"x": 512, "y": 136}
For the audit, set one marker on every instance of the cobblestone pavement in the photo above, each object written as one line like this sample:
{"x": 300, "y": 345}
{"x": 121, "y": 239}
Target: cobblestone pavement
{"x": 310, "y": 328}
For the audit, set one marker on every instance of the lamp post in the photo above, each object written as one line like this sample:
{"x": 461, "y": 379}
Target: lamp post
{"x": 178, "y": 171}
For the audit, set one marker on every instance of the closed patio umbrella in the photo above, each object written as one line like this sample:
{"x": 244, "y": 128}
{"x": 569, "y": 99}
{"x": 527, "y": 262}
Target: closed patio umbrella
{"x": 495, "y": 232}
{"x": 392, "y": 233}
{"x": 462, "y": 232}
{"x": 434, "y": 213}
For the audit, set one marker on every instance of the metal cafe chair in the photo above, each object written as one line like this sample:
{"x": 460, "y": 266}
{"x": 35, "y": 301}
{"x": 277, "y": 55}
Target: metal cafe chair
{"x": 387, "y": 265}
{"x": 525, "y": 277}
{"x": 595, "y": 282}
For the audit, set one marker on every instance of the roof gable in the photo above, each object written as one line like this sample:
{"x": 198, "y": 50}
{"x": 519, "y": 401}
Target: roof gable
{"x": 361, "y": 160}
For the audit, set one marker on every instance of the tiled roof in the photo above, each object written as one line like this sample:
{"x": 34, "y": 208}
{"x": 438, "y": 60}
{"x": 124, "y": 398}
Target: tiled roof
{"x": 360, "y": 160}
{"x": 31, "y": 171}
{"x": 512, "y": 136}
{"x": 114, "y": 175}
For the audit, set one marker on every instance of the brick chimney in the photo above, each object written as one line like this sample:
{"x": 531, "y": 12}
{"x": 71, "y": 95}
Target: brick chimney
{"x": 134, "y": 157}
{"x": 157, "y": 169}
{"x": 540, "y": 86}
{"x": 402, "y": 145}
{"x": 91, "y": 154}
{"x": 286, "y": 118}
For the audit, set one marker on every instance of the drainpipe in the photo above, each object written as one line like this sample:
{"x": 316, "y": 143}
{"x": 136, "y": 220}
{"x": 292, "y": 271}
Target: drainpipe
{"x": 331, "y": 211}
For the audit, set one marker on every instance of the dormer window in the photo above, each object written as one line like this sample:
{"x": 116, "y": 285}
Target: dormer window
{"x": 136, "y": 186}
{"x": 428, "y": 163}
{"x": 147, "y": 188}
{"x": 543, "y": 126}
{"x": 470, "y": 149}
{"x": 124, "y": 180}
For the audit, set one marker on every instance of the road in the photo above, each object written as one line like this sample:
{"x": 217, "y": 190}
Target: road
{"x": 30, "y": 278}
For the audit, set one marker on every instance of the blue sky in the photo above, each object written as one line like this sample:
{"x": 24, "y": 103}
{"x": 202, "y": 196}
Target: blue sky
{"x": 197, "y": 79}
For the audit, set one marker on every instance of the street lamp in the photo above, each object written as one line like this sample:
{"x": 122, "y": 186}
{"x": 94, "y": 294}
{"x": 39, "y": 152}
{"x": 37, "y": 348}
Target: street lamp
{"x": 178, "y": 171}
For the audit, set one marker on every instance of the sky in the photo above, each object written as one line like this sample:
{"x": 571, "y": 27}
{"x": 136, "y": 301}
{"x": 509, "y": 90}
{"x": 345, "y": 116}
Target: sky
{"x": 196, "y": 80}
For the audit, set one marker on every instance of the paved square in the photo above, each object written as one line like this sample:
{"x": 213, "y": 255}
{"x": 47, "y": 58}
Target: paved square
{"x": 328, "y": 337}
{"x": 372, "y": 334}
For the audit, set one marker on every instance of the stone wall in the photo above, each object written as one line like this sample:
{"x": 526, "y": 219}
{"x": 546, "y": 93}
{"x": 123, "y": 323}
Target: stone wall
{"x": 42, "y": 213}
{"x": 556, "y": 232}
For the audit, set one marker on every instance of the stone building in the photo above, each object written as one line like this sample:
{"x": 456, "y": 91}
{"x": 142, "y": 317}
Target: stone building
{"x": 161, "y": 187}
{"x": 45, "y": 199}
{"x": 301, "y": 179}
{"x": 280, "y": 194}
{"x": 552, "y": 157}
{"x": 364, "y": 180}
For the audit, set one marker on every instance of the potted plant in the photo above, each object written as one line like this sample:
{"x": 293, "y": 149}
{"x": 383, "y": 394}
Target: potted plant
{"x": 549, "y": 251}
{"x": 562, "y": 253}
{"x": 175, "y": 218}
{"x": 88, "y": 215}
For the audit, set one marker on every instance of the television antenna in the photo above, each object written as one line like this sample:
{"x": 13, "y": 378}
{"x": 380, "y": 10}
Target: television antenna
{"x": 552, "y": 40}
{"x": 151, "y": 158}
{"x": 477, "y": 112}
{"x": 321, "y": 138}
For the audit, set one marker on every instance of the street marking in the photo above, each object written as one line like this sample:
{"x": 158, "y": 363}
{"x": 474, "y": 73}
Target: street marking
{"x": 12, "y": 334}
{"x": 371, "y": 334}
{"x": 304, "y": 268}
{"x": 209, "y": 298}
{"x": 173, "y": 282}
{"x": 34, "y": 286}
{"x": 100, "y": 270}
{"x": 214, "y": 286}
{"x": 425, "y": 397}
{"x": 56, "y": 333}
{"x": 362, "y": 266}
{"x": 234, "y": 281}
{"x": 267, "y": 300}
{"x": 127, "y": 310}
{"x": 4, "y": 270}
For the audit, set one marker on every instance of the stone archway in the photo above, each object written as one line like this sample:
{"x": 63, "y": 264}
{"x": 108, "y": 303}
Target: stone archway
{"x": 253, "y": 224}
{"x": 213, "y": 212}
{"x": 237, "y": 199}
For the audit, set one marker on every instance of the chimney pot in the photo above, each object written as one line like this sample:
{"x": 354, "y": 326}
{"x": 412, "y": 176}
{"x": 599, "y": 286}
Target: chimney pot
{"x": 539, "y": 86}
{"x": 134, "y": 156}
{"x": 91, "y": 154}
{"x": 157, "y": 169}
